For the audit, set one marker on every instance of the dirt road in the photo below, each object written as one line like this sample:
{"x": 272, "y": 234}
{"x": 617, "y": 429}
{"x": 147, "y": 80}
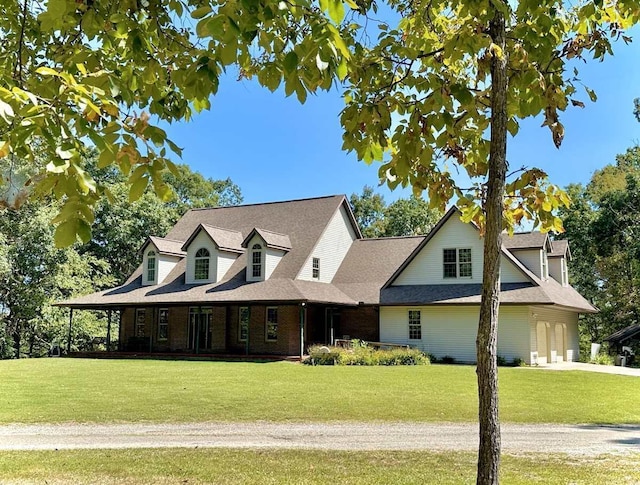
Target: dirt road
{"x": 583, "y": 440}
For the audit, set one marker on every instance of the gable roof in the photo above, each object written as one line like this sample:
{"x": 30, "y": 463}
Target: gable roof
{"x": 369, "y": 263}
{"x": 560, "y": 248}
{"x": 225, "y": 239}
{"x": 525, "y": 240}
{"x": 624, "y": 334}
{"x": 166, "y": 246}
{"x": 272, "y": 239}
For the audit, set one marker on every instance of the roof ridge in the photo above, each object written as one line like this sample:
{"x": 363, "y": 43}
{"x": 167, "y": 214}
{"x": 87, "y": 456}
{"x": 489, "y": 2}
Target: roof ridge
{"x": 167, "y": 239}
{"x": 204, "y": 224}
{"x": 385, "y": 238}
{"x": 267, "y": 203}
{"x": 270, "y": 231}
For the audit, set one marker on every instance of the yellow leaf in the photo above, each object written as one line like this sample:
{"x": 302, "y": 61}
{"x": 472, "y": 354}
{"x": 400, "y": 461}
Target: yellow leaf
{"x": 4, "y": 148}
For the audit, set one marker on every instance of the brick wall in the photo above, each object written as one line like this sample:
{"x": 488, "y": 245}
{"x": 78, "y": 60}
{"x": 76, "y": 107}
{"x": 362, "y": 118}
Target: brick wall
{"x": 361, "y": 323}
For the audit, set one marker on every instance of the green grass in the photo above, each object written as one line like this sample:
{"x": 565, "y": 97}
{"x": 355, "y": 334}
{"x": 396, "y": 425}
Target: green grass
{"x": 63, "y": 390}
{"x": 198, "y": 466}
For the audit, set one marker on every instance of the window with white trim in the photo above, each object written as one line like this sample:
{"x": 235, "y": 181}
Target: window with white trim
{"x": 151, "y": 266}
{"x": 243, "y": 323}
{"x": 271, "y": 331}
{"x": 545, "y": 265}
{"x": 456, "y": 263}
{"x": 415, "y": 325}
{"x": 163, "y": 324}
{"x": 256, "y": 261}
{"x": 315, "y": 268}
{"x": 565, "y": 272}
{"x": 140, "y": 323}
{"x": 201, "y": 268}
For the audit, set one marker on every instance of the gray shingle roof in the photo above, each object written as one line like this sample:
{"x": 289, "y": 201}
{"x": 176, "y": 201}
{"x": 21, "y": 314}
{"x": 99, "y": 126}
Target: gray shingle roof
{"x": 170, "y": 247}
{"x": 225, "y": 239}
{"x": 370, "y": 263}
{"x": 525, "y": 240}
{"x": 559, "y": 247}
{"x": 270, "y": 238}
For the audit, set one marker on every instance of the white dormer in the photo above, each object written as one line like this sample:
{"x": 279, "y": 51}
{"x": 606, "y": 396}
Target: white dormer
{"x": 265, "y": 249}
{"x": 159, "y": 257}
{"x": 210, "y": 253}
{"x": 532, "y": 250}
{"x": 558, "y": 261}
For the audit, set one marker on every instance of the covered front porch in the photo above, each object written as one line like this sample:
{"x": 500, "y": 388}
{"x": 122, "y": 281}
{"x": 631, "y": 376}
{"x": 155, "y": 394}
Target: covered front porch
{"x": 231, "y": 329}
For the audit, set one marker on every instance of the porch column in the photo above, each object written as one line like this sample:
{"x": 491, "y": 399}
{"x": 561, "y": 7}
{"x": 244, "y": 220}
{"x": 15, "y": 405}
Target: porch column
{"x": 109, "y": 330}
{"x": 246, "y": 345}
{"x": 303, "y": 306}
{"x": 69, "y": 334}
{"x": 120, "y": 346}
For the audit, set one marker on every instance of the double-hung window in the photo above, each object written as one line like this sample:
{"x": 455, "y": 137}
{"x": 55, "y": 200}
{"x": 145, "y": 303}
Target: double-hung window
{"x": 151, "y": 266}
{"x": 163, "y": 324}
{"x": 201, "y": 270}
{"x": 415, "y": 325}
{"x": 243, "y": 324}
{"x": 315, "y": 268}
{"x": 456, "y": 263}
{"x": 141, "y": 316}
{"x": 256, "y": 261}
{"x": 272, "y": 324}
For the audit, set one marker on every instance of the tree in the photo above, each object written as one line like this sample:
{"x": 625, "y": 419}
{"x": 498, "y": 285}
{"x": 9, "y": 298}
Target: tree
{"x": 368, "y": 209}
{"x": 425, "y": 91}
{"x": 404, "y": 217}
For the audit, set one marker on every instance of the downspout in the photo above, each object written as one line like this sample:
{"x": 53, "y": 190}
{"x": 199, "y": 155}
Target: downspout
{"x": 120, "y": 318}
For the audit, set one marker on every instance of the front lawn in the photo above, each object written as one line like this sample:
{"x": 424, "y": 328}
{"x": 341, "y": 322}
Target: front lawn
{"x": 225, "y": 467}
{"x": 60, "y": 390}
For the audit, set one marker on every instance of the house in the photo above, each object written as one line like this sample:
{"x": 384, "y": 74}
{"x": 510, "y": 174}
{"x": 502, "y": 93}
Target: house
{"x": 274, "y": 278}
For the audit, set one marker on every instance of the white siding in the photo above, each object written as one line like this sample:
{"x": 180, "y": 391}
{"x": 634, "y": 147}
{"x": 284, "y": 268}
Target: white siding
{"x": 202, "y": 240}
{"x": 165, "y": 266}
{"x": 451, "y": 330}
{"x": 273, "y": 258}
{"x": 270, "y": 259}
{"x": 225, "y": 260}
{"x": 427, "y": 267}
{"x": 510, "y": 273}
{"x": 548, "y": 322}
{"x": 557, "y": 268}
{"x": 331, "y": 248}
{"x": 145, "y": 259}
{"x": 532, "y": 259}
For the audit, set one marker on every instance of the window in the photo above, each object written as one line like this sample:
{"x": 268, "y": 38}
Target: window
{"x": 151, "y": 266}
{"x": 201, "y": 264}
{"x": 140, "y": 322}
{"x": 243, "y": 324}
{"x": 272, "y": 324}
{"x": 315, "y": 268}
{"x": 456, "y": 263}
{"x": 565, "y": 272}
{"x": 545, "y": 265}
{"x": 415, "y": 325}
{"x": 257, "y": 261}
{"x": 163, "y": 324}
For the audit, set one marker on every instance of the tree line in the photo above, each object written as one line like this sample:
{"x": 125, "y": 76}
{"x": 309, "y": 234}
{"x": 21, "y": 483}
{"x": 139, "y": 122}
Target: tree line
{"x": 35, "y": 273}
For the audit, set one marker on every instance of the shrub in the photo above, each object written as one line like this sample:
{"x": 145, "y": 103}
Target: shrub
{"x": 603, "y": 359}
{"x": 501, "y": 361}
{"x": 361, "y": 354}
{"x": 447, "y": 359}
{"x": 518, "y": 362}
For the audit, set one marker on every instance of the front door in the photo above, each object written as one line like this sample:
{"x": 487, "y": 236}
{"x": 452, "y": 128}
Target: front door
{"x": 199, "y": 329}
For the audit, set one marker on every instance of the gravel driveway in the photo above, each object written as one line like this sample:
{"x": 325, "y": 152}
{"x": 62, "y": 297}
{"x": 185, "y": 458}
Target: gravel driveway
{"x": 584, "y": 440}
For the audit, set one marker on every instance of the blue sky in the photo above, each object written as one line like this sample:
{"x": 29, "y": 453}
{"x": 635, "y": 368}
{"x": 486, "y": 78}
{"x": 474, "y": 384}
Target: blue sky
{"x": 274, "y": 148}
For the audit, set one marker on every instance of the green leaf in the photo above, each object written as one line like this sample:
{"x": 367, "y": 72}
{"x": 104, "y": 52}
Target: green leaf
{"x": 65, "y": 234}
{"x": 198, "y": 13}
{"x": 336, "y": 11}
{"x": 290, "y": 62}
{"x": 137, "y": 188}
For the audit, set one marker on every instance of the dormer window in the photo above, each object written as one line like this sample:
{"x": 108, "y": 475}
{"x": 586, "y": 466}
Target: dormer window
{"x": 202, "y": 264}
{"x": 151, "y": 266}
{"x": 256, "y": 260}
{"x": 315, "y": 268}
{"x": 545, "y": 266}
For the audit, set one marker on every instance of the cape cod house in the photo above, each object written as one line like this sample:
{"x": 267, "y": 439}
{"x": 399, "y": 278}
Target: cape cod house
{"x": 274, "y": 278}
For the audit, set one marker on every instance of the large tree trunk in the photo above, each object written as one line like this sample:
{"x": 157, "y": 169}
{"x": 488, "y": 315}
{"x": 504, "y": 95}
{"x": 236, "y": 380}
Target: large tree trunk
{"x": 486, "y": 343}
